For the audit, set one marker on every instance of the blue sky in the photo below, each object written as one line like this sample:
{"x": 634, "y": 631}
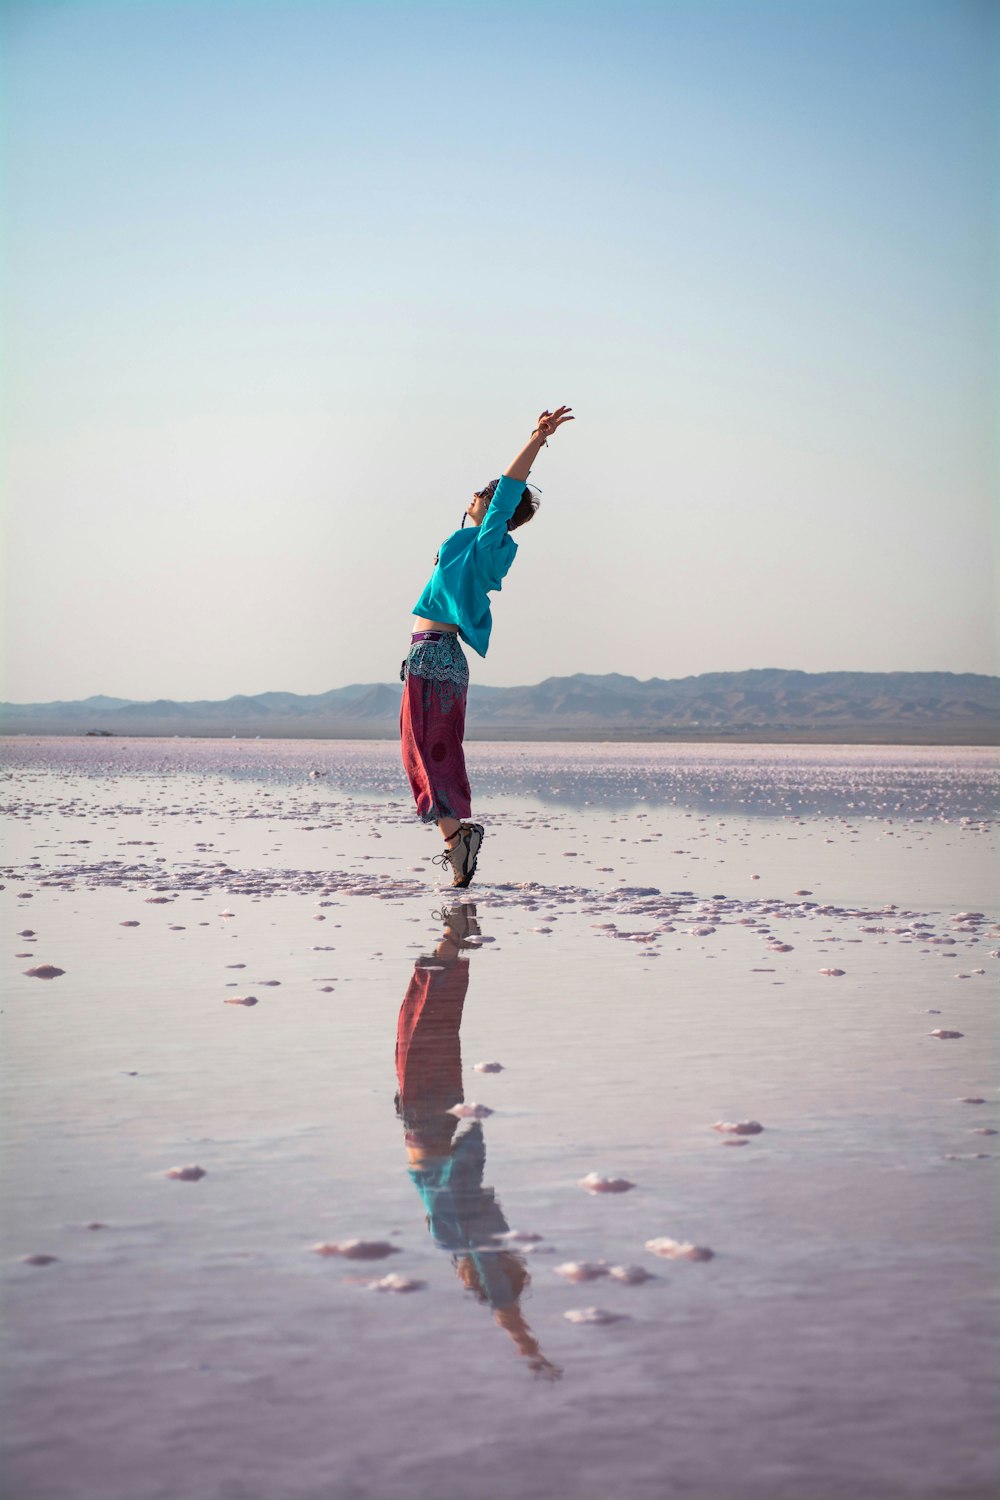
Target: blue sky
{"x": 285, "y": 283}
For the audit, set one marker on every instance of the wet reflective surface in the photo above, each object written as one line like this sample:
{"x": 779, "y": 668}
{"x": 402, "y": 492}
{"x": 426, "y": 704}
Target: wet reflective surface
{"x": 325, "y": 1180}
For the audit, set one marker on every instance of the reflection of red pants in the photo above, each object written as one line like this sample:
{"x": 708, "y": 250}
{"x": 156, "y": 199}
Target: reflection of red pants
{"x": 431, "y": 726}
{"x": 428, "y": 1048}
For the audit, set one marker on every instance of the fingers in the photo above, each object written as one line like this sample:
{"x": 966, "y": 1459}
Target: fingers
{"x": 549, "y": 421}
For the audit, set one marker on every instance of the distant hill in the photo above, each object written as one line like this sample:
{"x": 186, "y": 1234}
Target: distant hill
{"x": 764, "y": 705}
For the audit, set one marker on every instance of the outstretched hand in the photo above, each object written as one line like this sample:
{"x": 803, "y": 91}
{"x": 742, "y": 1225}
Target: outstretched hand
{"x": 549, "y": 421}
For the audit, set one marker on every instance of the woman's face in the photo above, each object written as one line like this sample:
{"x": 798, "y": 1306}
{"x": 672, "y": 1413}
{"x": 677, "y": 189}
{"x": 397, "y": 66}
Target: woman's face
{"x": 476, "y": 511}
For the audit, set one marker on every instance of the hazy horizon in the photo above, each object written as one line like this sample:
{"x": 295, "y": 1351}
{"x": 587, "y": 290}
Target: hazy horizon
{"x": 287, "y": 282}
{"x": 342, "y": 687}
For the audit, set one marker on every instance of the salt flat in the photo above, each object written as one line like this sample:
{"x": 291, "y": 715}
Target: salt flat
{"x": 664, "y": 939}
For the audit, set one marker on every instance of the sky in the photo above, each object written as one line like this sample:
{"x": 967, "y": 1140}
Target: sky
{"x": 284, "y": 283}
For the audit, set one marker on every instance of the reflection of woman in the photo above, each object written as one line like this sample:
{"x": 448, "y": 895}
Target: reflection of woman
{"x": 446, "y": 1163}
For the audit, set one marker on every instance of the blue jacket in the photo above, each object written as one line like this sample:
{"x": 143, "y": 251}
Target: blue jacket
{"x": 472, "y": 564}
{"x": 463, "y": 1216}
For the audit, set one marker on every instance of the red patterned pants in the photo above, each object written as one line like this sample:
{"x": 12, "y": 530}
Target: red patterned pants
{"x": 432, "y": 725}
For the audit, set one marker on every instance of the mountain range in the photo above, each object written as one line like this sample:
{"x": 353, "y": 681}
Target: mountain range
{"x": 767, "y": 704}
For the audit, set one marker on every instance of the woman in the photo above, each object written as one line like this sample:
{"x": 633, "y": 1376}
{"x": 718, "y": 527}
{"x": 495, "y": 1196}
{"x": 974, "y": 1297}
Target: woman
{"x": 455, "y": 607}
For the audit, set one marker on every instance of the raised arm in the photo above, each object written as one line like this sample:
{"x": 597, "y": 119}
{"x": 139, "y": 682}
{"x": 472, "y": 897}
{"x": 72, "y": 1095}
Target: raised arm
{"x": 547, "y": 424}
{"x": 491, "y": 523}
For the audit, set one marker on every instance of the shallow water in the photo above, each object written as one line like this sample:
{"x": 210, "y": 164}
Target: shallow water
{"x": 622, "y": 964}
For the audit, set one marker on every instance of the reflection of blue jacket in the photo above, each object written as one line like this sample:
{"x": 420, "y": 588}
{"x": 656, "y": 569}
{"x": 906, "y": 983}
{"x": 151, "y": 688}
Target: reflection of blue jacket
{"x": 471, "y": 565}
{"x": 464, "y": 1216}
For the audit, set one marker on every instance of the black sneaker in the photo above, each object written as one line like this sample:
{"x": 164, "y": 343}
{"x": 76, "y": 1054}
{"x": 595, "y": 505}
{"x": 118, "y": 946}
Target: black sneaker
{"x": 460, "y": 857}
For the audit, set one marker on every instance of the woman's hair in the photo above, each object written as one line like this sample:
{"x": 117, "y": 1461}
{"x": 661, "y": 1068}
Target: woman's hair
{"x": 526, "y": 506}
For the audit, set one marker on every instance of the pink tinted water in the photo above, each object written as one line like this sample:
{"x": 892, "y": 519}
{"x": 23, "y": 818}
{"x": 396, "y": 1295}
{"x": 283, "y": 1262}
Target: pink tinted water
{"x": 640, "y": 987}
